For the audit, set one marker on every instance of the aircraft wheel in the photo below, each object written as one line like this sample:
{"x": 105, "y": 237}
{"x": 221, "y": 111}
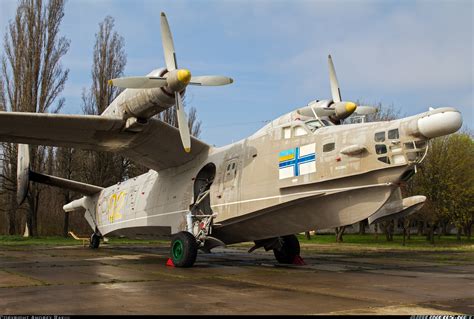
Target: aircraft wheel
{"x": 94, "y": 241}
{"x": 290, "y": 249}
{"x": 183, "y": 249}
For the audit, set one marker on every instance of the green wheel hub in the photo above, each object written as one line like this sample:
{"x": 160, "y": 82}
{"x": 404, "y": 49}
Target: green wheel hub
{"x": 178, "y": 250}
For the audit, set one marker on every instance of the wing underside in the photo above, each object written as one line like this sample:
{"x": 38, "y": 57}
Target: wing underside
{"x": 156, "y": 145}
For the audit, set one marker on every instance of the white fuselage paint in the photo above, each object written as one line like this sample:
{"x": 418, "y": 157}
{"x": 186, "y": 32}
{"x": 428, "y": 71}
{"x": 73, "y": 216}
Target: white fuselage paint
{"x": 249, "y": 190}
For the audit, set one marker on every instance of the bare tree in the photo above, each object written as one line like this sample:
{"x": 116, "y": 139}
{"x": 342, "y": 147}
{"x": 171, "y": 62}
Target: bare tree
{"x": 32, "y": 81}
{"x": 64, "y": 167}
{"x": 169, "y": 116}
{"x": 109, "y": 61}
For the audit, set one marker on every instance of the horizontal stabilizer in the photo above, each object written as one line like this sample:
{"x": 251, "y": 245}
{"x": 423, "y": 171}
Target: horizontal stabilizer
{"x": 82, "y": 188}
{"x": 25, "y": 175}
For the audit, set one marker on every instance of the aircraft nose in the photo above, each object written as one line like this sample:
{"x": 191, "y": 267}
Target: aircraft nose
{"x": 441, "y": 123}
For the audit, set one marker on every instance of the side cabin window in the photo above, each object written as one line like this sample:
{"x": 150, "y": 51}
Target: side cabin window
{"x": 295, "y": 131}
{"x": 287, "y": 132}
{"x": 329, "y": 147}
{"x": 299, "y": 131}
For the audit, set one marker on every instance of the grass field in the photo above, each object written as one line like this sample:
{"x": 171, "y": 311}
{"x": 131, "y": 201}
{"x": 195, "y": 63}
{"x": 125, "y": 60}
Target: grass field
{"x": 368, "y": 241}
{"x": 62, "y": 241}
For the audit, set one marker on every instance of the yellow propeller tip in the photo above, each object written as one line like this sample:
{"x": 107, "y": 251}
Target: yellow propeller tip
{"x": 187, "y": 150}
{"x": 350, "y": 107}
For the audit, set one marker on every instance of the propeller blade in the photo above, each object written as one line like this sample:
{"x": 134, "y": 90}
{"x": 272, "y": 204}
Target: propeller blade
{"x": 335, "y": 91}
{"x": 168, "y": 46}
{"x": 210, "y": 80}
{"x": 364, "y": 110}
{"x": 182, "y": 123}
{"x": 138, "y": 82}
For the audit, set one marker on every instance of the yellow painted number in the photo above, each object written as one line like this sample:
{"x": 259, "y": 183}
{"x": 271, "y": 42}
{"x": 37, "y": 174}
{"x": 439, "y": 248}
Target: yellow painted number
{"x": 116, "y": 202}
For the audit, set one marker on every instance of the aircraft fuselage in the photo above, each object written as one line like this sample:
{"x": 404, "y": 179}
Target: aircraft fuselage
{"x": 283, "y": 179}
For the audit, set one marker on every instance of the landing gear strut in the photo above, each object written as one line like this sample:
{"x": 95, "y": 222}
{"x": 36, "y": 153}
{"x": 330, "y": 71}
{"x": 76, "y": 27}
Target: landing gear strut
{"x": 185, "y": 244}
{"x": 289, "y": 250}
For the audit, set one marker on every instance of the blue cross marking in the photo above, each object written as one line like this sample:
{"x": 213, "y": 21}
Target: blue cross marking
{"x": 297, "y": 161}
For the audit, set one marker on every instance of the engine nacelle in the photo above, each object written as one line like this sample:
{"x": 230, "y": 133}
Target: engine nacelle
{"x": 142, "y": 103}
{"x": 334, "y": 110}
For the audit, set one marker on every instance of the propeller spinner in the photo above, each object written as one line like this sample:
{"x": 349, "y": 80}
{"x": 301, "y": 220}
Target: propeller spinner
{"x": 176, "y": 80}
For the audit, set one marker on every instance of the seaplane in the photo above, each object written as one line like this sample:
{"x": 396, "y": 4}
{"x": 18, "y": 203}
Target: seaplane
{"x": 304, "y": 170}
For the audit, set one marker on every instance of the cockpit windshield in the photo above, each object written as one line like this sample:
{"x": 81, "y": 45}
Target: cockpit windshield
{"x": 314, "y": 124}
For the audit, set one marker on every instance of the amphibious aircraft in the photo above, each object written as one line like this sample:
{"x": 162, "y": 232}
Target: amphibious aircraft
{"x": 304, "y": 170}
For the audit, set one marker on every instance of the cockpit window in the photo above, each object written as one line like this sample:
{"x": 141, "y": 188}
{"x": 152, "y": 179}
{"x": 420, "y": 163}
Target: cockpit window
{"x": 313, "y": 125}
{"x": 379, "y": 137}
{"x": 326, "y": 122}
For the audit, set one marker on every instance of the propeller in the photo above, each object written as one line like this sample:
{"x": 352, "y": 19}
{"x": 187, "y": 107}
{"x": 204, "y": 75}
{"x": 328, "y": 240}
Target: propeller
{"x": 343, "y": 109}
{"x": 182, "y": 123}
{"x": 365, "y": 110}
{"x": 335, "y": 91}
{"x": 176, "y": 80}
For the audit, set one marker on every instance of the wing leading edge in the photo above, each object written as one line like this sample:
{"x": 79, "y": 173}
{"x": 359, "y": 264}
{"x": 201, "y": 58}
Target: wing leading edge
{"x": 157, "y": 145}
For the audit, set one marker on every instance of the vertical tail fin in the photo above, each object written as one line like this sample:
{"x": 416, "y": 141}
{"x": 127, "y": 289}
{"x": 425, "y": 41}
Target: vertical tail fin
{"x": 22, "y": 172}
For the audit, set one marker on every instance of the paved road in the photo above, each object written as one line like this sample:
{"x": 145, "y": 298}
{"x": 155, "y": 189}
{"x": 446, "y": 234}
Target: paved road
{"x": 135, "y": 280}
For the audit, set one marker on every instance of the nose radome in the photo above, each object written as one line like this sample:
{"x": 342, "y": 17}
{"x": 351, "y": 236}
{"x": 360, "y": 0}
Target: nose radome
{"x": 440, "y": 124}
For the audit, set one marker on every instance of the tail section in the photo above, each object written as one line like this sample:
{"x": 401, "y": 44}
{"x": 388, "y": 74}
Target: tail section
{"x": 25, "y": 175}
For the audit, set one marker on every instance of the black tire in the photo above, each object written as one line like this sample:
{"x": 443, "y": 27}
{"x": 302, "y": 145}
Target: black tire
{"x": 290, "y": 249}
{"x": 94, "y": 241}
{"x": 183, "y": 249}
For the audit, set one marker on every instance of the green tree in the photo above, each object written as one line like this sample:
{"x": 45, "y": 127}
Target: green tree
{"x": 446, "y": 177}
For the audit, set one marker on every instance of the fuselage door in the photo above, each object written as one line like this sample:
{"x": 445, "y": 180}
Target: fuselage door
{"x": 231, "y": 176}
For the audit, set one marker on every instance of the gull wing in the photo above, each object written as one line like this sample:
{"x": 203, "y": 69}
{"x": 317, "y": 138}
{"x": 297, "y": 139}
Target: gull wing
{"x": 154, "y": 144}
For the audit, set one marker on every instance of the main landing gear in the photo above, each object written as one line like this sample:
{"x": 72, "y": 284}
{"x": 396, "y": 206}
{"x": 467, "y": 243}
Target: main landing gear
{"x": 289, "y": 250}
{"x": 285, "y": 248}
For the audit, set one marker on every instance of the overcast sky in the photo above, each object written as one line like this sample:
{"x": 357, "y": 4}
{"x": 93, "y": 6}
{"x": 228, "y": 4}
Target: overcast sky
{"x": 410, "y": 54}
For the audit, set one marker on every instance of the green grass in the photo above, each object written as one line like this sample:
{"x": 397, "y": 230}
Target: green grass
{"x": 62, "y": 241}
{"x": 351, "y": 241}
{"x": 369, "y": 240}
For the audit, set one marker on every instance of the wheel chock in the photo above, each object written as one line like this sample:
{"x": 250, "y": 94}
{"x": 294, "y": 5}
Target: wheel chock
{"x": 298, "y": 261}
{"x": 170, "y": 263}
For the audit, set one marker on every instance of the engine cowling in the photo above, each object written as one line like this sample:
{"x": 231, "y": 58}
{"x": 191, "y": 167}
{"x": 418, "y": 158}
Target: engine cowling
{"x": 143, "y": 103}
